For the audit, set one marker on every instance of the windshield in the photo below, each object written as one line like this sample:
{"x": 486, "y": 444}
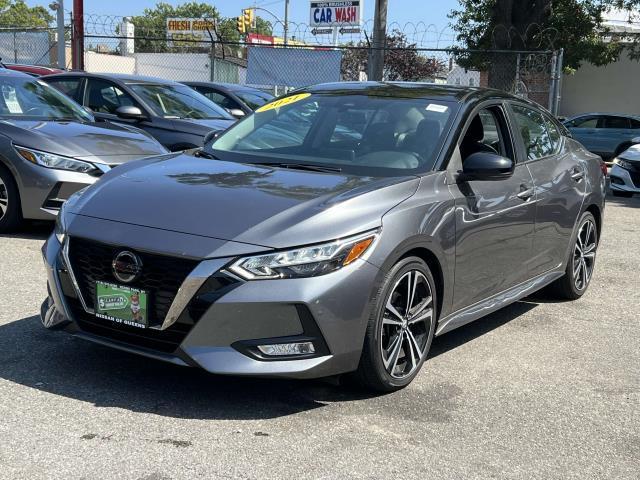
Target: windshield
{"x": 254, "y": 99}
{"x": 24, "y": 97}
{"x": 366, "y": 135}
{"x": 178, "y": 101}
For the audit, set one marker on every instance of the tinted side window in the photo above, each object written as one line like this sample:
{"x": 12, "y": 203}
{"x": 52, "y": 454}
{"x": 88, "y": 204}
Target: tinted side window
{"x": 554, "y": 133}
{"x": 616, "y": 122}
{"x": 105, "y": 97}
{"x": 220, "y": 99}
{"x": 635, "y": 124}
{"x": 68, "y": 86}
{"x": 536, "y": 138}
{"x": 586, "y": 122}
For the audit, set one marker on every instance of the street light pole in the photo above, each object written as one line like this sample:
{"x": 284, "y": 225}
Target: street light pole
{"x": 376, "y": 55}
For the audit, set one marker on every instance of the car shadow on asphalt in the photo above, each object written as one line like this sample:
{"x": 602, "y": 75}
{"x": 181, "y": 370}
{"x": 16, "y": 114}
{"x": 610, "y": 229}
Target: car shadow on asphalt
{"x": 31, "y": 230}
{"x": 57, "y": 363}
{"x": 633, "y": 202}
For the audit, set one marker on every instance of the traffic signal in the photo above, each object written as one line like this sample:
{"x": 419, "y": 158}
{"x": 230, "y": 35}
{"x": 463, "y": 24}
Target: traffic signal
{"x": 240, "y": 24}
{"x": 249, "y": 17}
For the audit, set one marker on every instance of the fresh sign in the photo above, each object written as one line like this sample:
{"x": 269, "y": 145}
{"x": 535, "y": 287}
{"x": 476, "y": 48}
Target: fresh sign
{"x": 336, "y": 14}
{"x": 189, "y": 30}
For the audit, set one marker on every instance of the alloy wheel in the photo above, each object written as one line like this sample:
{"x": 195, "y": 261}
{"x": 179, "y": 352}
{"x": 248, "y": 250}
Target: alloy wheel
{"x": 4, "y": 199}
{"x": 584, "y": 255}
{"x": 406, "y": 324}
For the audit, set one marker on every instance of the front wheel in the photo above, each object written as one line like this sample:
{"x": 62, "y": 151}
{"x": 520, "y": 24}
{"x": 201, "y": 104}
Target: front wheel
{"x": 581, "y": 263}
{"x": 10, "y": 211}
{"x": 401, "y": 327}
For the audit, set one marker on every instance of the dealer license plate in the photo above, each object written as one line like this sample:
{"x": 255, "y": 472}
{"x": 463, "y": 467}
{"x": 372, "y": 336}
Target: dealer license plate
{"x": 122, "y": 305}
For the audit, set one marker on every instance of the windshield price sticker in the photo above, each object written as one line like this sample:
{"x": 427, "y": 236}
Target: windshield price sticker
{"x": 283, "y": 101}
{"x": 434, "y": 107}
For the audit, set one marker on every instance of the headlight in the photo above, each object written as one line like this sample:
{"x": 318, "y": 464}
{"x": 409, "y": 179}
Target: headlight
{"x": 623, "y": 163}
{"x": 308, "y": 261}
{"x": 50, "y": 160}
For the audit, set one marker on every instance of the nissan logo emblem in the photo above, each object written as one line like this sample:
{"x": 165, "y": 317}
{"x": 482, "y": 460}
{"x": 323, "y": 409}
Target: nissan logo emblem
{"x": 126, "y": 266}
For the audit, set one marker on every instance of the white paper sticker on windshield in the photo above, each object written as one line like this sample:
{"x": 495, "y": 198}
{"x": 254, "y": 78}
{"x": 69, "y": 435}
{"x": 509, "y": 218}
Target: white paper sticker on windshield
{"x": 10, "y": 99}
{"x": 434, "y": 107}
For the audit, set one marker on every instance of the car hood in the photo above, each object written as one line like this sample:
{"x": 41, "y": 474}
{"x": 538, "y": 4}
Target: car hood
{"x": 268, "y": 207}
{"x": 202, "y": 126}
{"x": 631, "y": 154}
{"x": 99, "y": 142}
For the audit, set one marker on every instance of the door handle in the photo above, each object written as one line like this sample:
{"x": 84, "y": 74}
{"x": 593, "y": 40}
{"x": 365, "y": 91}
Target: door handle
{"x": 526, "y": 192}
{"x": 577, "y": 174}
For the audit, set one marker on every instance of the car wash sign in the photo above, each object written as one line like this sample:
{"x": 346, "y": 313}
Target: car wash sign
{"x": 336, "y": 14}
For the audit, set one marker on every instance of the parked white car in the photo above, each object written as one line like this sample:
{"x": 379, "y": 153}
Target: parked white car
{"x": 625, "y": 173}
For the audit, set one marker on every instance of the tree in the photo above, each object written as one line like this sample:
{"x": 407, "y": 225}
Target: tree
{"x": 402, "y": 61}
{"x": 17, "y": 14}
{"x": 151, "y": 25}
{"x": 575, "y": 25}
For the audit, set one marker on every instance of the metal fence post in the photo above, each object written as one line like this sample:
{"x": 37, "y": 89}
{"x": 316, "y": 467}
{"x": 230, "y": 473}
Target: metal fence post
{"x": 559, "y": 68}
{"x": 554, "y": 79}
{"x": 516, "y": 90}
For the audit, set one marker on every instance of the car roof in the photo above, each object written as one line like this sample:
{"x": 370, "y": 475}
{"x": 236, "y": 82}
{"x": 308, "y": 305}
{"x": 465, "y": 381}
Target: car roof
{"x": 121, "y": 77}
{"x": 234, "y": 87}
{"x": 603, "y": 114}
{"x": 409, "y": 90}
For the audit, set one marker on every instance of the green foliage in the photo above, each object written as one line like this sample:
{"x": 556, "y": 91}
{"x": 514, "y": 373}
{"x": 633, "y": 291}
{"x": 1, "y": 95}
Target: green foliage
{"x": 17, "y": 14}
{"x": 575, "y": 25}
{"x": 151, "y": 25}
{"x": 401, "y": 61}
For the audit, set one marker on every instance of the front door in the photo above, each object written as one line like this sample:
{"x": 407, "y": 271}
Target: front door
{"x": 494, "y": 218}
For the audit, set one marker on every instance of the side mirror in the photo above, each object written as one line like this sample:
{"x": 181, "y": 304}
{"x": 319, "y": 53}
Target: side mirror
{"x": 236, "y": 112}
{"x": 130, "y": 113}
{"x": 211, "y": 136}
{"x": 486, "y": 166}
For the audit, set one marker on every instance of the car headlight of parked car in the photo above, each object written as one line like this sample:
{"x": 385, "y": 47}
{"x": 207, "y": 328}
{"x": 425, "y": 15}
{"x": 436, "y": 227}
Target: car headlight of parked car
{"x": 310, "y": 261}
{"x": 58, "y": 162}
{"x": 623, "y": 163}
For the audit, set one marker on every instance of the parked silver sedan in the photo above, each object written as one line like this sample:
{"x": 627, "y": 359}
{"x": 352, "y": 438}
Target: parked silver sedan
{"x": 624, "y": 175}
{"x": 50, "y": 147}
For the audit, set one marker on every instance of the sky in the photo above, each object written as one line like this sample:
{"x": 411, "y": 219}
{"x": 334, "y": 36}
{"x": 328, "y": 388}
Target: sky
{"x": 400, "y": 11}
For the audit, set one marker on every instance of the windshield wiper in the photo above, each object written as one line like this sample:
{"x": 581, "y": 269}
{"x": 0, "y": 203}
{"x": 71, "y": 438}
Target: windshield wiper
{"x": 203, "y": 154}
{"x": 302, "y": 166}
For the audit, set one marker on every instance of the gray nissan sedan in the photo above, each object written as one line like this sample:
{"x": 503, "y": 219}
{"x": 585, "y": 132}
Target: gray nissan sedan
{"x": 50, "y": 147}
{"x": 335, "y": 230}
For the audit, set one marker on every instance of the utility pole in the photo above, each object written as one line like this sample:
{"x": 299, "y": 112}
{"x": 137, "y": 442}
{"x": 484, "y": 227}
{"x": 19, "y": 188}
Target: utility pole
{"x": 78, "y": 35}
{"x": 376, "y": 54}
{"x": 286, "y": 22}
{"x": 58, "y": 6}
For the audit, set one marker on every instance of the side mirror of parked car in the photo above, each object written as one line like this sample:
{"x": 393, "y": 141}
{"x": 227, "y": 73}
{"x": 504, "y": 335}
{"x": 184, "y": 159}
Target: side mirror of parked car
{"x": 236, "y": 112}
{"x": 130, "y": 113}
{"x": 211, "y": 136}
{"x": 486, "y": 166}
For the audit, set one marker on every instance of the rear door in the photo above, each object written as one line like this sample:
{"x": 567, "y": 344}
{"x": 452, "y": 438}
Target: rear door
{"x": 584, "y": 129}
{"x": 559, "y": 184}
{"x": 616, "y": 131}
{"x": 72, "y": 87}
{"x": 494, "y": 219}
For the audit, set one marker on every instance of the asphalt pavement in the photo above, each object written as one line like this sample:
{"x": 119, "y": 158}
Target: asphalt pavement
{"x": 537, "y": 390}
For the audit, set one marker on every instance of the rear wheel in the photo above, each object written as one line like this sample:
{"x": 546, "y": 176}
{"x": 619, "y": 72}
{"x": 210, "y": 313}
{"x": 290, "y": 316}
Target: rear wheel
{"x": 401, "y": 328}
{"x": 10, "y": 212}
{"x": 581, "y": 261}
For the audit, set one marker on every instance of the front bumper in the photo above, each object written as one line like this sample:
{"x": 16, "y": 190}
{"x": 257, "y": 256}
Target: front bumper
{"x": 218, "y": 319}
{"x": 623, "y": 180}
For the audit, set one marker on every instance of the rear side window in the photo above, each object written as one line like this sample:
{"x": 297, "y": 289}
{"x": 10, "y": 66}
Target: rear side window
{"x": 616, "y": 122}
{"x": 533, "y": 131}
{"x": 68, "y": 86}
{"x": 220, "y": 99}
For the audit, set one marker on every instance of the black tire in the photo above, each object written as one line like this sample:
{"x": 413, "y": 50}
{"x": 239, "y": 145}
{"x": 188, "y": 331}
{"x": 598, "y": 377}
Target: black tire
{"x": 567, "y": 287}
{"x": 616, "y": 193}
{"x": 10, "y": 209}
{"x": 371, "y": 372}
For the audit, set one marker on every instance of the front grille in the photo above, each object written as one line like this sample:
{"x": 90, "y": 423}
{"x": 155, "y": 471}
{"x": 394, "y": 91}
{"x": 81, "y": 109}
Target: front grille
{"x": 161, "y": 275}
{"x": 166, "y": 341}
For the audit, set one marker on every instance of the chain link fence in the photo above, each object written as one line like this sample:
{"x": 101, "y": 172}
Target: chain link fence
{"x": 114, "y": 45}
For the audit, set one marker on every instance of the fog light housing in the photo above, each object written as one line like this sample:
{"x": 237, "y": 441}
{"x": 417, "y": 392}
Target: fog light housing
{"x": 616, "y": 180}
{"x": 287, "y": 349}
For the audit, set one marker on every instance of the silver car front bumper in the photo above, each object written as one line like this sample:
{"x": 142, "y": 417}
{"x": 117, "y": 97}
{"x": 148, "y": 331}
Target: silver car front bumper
{"x": 622, "y": 180}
